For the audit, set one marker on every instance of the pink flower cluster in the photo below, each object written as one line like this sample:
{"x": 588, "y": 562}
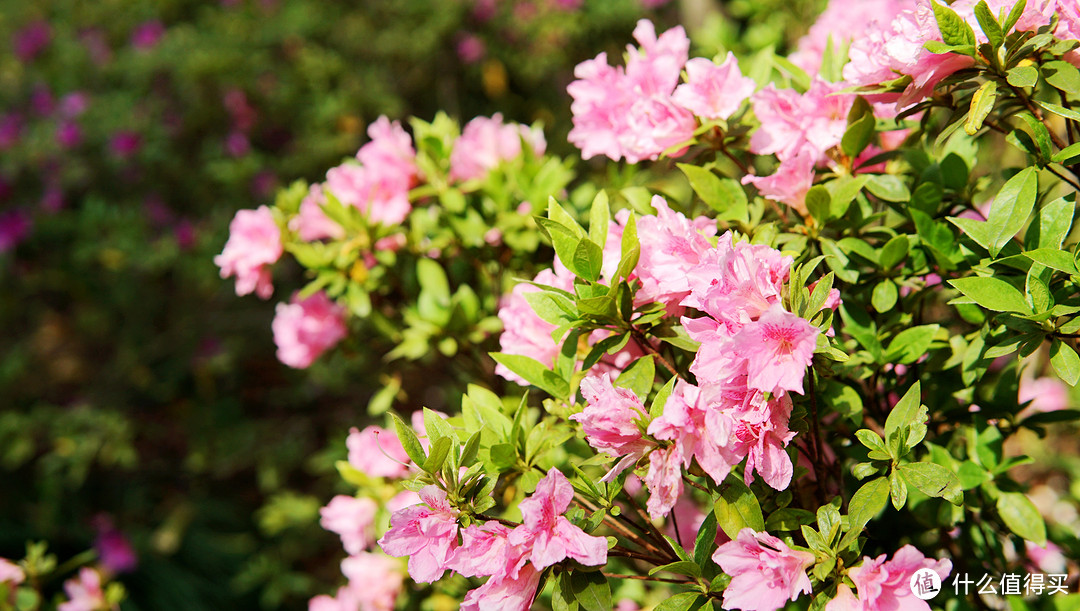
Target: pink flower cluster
{"x": 512, "y": 558}
{"x": 765, "y": 572}
{"x": 638, "y": 112}
{"x": 374, "y": 584}
{"x": 305, "y": 328}
{"x": 84, "y": 593}
{"x": 254, "y": 245}
{"x": 753, "y": 353}
{"x": 884, "y": 586}
{"x": 378, "y": 185}
{"x": 486, "y": 142}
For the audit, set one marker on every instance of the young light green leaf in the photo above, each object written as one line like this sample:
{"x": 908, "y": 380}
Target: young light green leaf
{"x": 982, "y": 102}
{"x": 534, "y": 372}
{"x": 1062, "y": 75}
{"x": 1011, "y": 208}
{"x": 911, "y": 344}
{"x": 630, "y": 250}
{"x": 906, "y": 411}
{"x": 865, "y": 504}
{"x": 954, "y": 30}
{"x": 993, "y": 294}
{"x": 1014, "y": 16}
{"x": 1023, "y": 76}
{"x": 737, "y": 508}
{"x": 933, "y": 480}
{"x": 893, "y": 252}
{"x": 599, "y": 218}
{"x": 409, "y": 441}
{"x": 1054, "y": 259}
{"x": 884, "y": 296}
{"x": 588, "y": 260}
{"x": 989, "y": 24}
{"x": 1065, "y": 361}
{"x": 591, "y": 590}
{"x": 639, "y": 376}
{"x": 439, "y": 451}
{"x": 1022, "y": 517}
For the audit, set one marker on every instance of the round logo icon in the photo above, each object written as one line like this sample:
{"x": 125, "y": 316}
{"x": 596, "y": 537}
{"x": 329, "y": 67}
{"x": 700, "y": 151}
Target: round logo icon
{"x": 925, "y": 584}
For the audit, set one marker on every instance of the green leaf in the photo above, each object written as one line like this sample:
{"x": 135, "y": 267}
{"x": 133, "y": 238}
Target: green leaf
{"x": 437, "y": 426}
{"x": 705, "y": 540}
{"x": 889, "y": 188}
{"x": 707, "y": 185}
{"x": 563, "y": 240}
{"x": 737, "y": 508}
{"x": 977, "y": 230}
{"x": 439, "y": 451}
{"x": 992, "y": 294}
{"x": 639, "y": 376}
{"x": 873, "y": 442}
{"x": 736, "y": 205}
{"x": 897, "y": 490}
{"x": 933, "y": 480}
{"x": 552, "y": 307}
{"x": 954, "y": 30}
{"x": 409, "y": 441}
{"x": 656, "y": 409}
{"x": 860, "y": 130}
{"x": 1053, "y": 258}
{"x": 1023, "y": 76}
{"x": 818, "y": 203}
{"x": 1061, "y": 111}
{"x": 599, "y": 218}
{"x": 591, "y": 590}
{"x": 630, "y": 250}
{"x": 1014, "y": 16}
{"x": 989, "y": 24}
{"x": 1022, "y": 517}
{"x": 534, "y": 372}
{"x": 683, "y": 601}
{"x": 884, "y": 296}
{"x": 588, "y": 260}
{"x": 559, "y": 215}
{"x": 982, "y": 102}
{"x": 1011, "y": 208}
{"x": 911, "y": 344}
{"x": 788, "y": 518}
{"x": 893, "y": 252}
{"x": 907, "y": 411}
{"x": 1062, "y": 75}
{"x": 1053, "y": 224}
{"x": 1065, "y": 361}
{"x": 680, "y": 567}
{"x": 865, "y": 504}
{"x": 1042, "y": 136}
{"x": 1067, "y": 155}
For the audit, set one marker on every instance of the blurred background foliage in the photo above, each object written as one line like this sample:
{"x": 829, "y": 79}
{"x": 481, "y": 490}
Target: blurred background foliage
{"x": 140, "y": 400}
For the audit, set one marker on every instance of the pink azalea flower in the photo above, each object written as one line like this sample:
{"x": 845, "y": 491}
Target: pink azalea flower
{"x": 84, "y": 592}
{"x": 254, "y": 245}
{"x": 629, "y": 112}
{"x": 305, "y": 328}
{"x": 487, "y": 550}
{"x": 610, "y": 417}
{"x": 778, "y": 348}
{"x": 311, "y": 223}
{"x": 147, "y": 34}
{"x": 711, "y": 91}
{"x": 551, "y": 536}
{"x": 1046, "y": 558}
{"x": 814, "y": 121}
{"x": 10, "y": 572}
{"x": 374, "y": 579}
{"x": 664, "y": 481}
{"x": 698, "y": 432}
{"x": 390, "y": 153}
{"x": 380, "y": 196}
{"x": 790, "y": 183}
{"x": 671, "y": 245}
{"x": 427, "y": 534}
{"x": 351, "y": 518}
{"x": 765, "y": 572}
{"x": 30, "y": 41}
{"x": 1045, "y": 394}
{"x": 736, "y": 283}
{"x": 505, "y": 593}
{"x": 523, "y": 331}
{"x": 485, "y": 143}
{"x": 470, "y": 48}
{"x": 377, "y": 452}
{"x": 886, "y": 586}
{"x": 844, "y": 21}
{"x": 346, "y": 599}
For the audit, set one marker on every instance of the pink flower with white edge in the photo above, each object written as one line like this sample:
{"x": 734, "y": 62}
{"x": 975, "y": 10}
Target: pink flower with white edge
{"x": 551, "y": 536}
{"x": 487, "y": 550}
{"x": 427, "y": 534}
{"x": 765, "y": 572}
{"x": 311, "y": 223}
{"x": 886, "y": 586}
{"x": 305, "y": 328}
{"x": 778, "y": 348}
{"x": 254, "y": 245}
{"x": 377, "y": 452}
{"x": 351, "y": 518}
{"x": 610, "y": 417}
{"x": 711, "y": 91}
{"x": 11, "y": 573}
{"x": 736, "y": 283}
{"x": 790, "y": 183}
{"x": 390, "y": 153}
{"x": 487, "y": 142}
{"x": 374, "y": 579}
{"x": 761, "y": 435}
{"x": 664, "y": 481}
{"x": 509, "y": 593}
{"x": 84, "y": 593}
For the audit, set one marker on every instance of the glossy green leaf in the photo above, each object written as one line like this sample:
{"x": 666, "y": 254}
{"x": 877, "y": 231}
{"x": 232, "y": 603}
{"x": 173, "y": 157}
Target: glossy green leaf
{"x": 933, "y": 480}
{"x": 737, "y": 508}
{"x": 1022, "y": 517}
{"x": 992, "y": 294}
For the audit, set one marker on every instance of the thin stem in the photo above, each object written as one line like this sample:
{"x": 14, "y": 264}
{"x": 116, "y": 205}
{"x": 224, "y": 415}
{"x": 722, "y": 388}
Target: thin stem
{"x": 1038, "y": 115}
{"x": 644, "y": 342}
{"x": 819, "y": 465}
{"x": 653, "y": 533}
{"x": 626, "y": 553}
{"x": 646, "y": 578}
{"x": 695, "y": 484}
{"x": 1072, "y": 183}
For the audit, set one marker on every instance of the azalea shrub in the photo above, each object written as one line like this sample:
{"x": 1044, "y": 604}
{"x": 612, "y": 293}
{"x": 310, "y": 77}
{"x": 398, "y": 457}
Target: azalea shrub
{"x": 779, "y": 342}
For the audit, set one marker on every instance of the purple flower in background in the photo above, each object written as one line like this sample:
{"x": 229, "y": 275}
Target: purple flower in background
{"x": 184, "y": 232}
{"x": 236, "y": 144}
{"x": 10, "y": 130}
{"x": 113, "y": 548}
{"x": 74, "y": 104}
{"x": 471, "y": 49}
{"x": 30, "y": 41}
{"x": 53, "y": 200}
{"x": 243, "y": 114}
{"x": 42, "y": 101}
{"x": 14, "y": 227}
{"x": 147, "y": 34}
{"x": 96, "y": 46}
{"x": 263, "y": 184}
{"x": 484, "y": 10}
{"x": 68, "y": 134}
{"x": 157, "y": 211}
{"x": 125, "y": 143}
